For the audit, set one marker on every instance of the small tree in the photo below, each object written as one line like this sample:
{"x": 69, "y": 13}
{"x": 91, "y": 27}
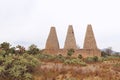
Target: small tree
{"x": 33, "y": 49}
{"x": 12, "y": 50}
{"x": 5, "y": 46}
{"x": 70, "y": 52}
{"x": 20, "y": 49}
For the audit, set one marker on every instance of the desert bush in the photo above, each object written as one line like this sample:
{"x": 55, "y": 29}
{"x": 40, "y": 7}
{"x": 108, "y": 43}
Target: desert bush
{"x": 80, "y": 56}
{"x": 39, "y": 56}
{"x": 20, "y": 49}
{"x": 33, "y": 49}
{"x": 112, "y": 57}
{"x": 91, "y": 59}
{"x": 101, "y": 59}
{"x": 70, "y": 52}
{"x": 95, "y": 58}
{"x": 5, "y": 46}
{"x": 45, "y": 57}
{"x": 75, "y": 62}
{"x": 60, "y": 58}
{"x": 17, "y": 67}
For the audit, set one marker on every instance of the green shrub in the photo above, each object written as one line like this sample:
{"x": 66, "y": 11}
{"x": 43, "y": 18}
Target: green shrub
{"x": 75, "y": 62}
{"x": 33, "y": 49}
{"x": 91, "y": 59}
{"x": 67, "y": 62}
{"x": 80, "y": 56}
{"x": 95, "y": 58}
{"x": 17, "y": 67}
{"x": 111, "y": 58}
{"x": 101, "y": 59}
{"x": 60, "y": 58}
{"x": 70, "y": 52}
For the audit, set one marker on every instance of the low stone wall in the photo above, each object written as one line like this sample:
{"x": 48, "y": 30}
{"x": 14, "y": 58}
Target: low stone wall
{"x": 83, "y": 52}
{"x": 87, "y": 52}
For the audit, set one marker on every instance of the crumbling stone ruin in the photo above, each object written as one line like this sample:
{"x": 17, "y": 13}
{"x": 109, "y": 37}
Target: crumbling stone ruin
{"x": 52, "y": 41}
{"x": 70, "y": 39}
{"x": 89, "y": 49}
{"x": 89, "y": 42}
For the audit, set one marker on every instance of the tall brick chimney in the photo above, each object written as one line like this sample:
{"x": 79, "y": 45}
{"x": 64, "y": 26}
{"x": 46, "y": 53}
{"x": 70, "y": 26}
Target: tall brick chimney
{"x": 52, "y": 40}
{"x": 89, "y": 41}
{"x": 70, "y": 42}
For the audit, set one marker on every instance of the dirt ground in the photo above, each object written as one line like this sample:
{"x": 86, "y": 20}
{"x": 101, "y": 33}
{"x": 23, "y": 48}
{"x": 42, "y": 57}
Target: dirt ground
{"x": 106, "y": 70}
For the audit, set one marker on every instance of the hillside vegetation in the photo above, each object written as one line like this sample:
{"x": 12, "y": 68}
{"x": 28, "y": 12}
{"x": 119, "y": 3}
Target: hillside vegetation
{"x": 17, "y": 63}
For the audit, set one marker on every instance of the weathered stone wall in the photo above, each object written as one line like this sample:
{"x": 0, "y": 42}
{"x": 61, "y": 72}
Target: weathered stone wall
{"x": 52, "y": 40}
{"x": 70, "y": 41}
{"x": 89, "y": 50}
{"x": 83, "y": 52}
{"x": 89, "y": 42}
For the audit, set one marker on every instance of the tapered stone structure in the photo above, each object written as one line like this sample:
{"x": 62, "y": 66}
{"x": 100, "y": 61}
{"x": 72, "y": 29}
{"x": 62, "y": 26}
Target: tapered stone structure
{"x": 52, "y": 40}
{"x": 70, "y": 42}
{"x": 89, "y": 42}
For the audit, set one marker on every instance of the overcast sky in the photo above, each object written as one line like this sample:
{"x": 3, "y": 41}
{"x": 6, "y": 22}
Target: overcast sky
{"x": 27, "y": 22}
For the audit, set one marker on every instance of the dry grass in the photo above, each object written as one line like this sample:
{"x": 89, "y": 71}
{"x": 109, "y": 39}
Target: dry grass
{"x": 107, "y": 70}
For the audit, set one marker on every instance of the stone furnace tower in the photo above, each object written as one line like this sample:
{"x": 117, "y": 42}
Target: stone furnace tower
{"x": 89, "y": 41}
{"x": 52, "y": 40}
{"x": 70, "y": 41}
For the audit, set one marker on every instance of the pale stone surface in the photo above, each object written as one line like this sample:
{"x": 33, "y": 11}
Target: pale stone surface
{"x": 90, "y": 48}
{"x": 52, "y": 40}
{"x": 89, "y": 42}
{"x": 70, "y": 41}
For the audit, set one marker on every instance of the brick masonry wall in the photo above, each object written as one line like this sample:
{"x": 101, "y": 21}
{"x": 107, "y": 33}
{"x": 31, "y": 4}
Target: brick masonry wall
{"x": 83, "y": 52}
{"x": 89, "y": 49}
{"x": 89, "y": 42}
{"x": 52, "y": 40}
{"x": 70, "y": 41}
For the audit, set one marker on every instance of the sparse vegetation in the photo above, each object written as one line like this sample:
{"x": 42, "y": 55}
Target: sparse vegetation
{"x": 70, "y": 52}
{"x": 17, "y": 63}
{"x": 75, "y": 62}
{"x": 91, "y": 59}
{"x": 33, "y": 49}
